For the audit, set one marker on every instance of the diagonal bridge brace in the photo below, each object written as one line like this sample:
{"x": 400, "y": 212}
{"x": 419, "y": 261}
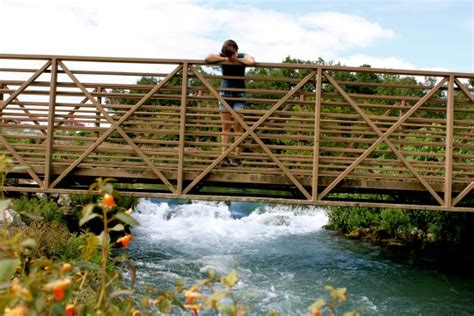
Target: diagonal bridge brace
{"x": 115, "y": 125}
{"x": 21, "y": 160}
{"x": 383, "y": 137}
{"x": 250, "y": 131}
{"x": 4, "y": 104}
{"x": 25, "y": 85}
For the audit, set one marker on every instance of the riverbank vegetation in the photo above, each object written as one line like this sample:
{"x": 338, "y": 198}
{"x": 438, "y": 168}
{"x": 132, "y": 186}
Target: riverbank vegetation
{"x": 443, "y": 238}
{"x": 47, "y": 269}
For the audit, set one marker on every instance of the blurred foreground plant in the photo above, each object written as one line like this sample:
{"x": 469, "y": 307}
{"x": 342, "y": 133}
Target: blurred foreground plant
{"x": 34, "y": 285}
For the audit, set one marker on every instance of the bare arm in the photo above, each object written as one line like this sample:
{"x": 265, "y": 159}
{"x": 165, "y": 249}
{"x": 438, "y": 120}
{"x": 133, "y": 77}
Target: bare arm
{"x": 214, "y": 58}
{"x": 247, "y": 60}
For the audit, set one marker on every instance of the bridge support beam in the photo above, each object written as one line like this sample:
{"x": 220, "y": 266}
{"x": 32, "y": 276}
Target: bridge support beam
{"x": 448, "y": 173}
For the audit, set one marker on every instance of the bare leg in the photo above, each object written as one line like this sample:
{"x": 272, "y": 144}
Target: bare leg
{"x": 225, "y": 137}
{"x": 237, "y": 133}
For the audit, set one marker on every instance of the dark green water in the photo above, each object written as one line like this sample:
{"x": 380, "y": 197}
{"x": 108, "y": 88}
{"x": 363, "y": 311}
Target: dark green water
{"x": 284, "y": 259}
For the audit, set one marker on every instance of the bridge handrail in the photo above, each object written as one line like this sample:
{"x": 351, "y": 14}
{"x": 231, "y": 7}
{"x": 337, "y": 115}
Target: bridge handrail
{"x": 259, "y": 64}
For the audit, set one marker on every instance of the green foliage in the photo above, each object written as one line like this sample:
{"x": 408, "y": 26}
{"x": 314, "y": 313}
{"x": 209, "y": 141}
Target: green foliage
{"x": 54, "y": 240}
{"x": 44, "y": 207}
{"x": 453, "y": 232}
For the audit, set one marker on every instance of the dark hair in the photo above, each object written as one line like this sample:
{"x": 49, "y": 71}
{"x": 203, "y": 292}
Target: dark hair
{"x": 229, "y": 48}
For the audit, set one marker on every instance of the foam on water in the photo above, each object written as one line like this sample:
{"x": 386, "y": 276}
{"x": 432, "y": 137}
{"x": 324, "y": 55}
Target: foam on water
{"x": 212, "y": 225}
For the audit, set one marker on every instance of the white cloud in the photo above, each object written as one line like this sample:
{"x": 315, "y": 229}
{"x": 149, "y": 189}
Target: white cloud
{"x": 177, "y": 29}
{"x": 375, "y": 62}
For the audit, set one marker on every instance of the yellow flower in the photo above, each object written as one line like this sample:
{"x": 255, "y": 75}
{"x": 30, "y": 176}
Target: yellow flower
{"x": 125, "y": 240}
{"x": 108, "y": 200}
{"x": 58, "y": 287}
{"x": 339, "y": 294}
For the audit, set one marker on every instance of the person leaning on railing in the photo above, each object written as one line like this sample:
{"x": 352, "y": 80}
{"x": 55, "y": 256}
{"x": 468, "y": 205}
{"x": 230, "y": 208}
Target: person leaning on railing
{"x": 229, "y": 52}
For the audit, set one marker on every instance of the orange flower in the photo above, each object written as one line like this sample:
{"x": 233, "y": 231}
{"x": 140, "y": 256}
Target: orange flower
{"x": 191, "y": 296}
{"x": 16, "y": 287}
{"x": 108, "y": 200}
{"x": 17, "y": 311}
{"x": 58, "y": 287}
{"x": 66, "y": 267}
{"x": 70, "y": 310}
{"x": 125, "y": 240}
{"x": 193, "y": 308}
{"x": 135, "y": 313}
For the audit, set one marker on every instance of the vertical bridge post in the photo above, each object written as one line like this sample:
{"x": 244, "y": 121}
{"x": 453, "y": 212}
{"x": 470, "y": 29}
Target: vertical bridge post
{"x": 51, "y": 114}
{"x": 448, "y": 180}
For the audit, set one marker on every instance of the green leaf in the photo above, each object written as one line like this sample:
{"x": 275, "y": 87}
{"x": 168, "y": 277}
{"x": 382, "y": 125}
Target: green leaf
{"x": 56, "y": 309}
{"x": 86, "y": 210}
{"x": 165, "y": 306}
{"x": 145, "y": 301}
{"x": 108, "y": 188}
{"x": 7, "y": 268}
{"x": 104, "y": 239}
{"x": 227, "y": 309}
{"x": 179, "y": 283}
{"x": 90, "y": 248}
{"x": 6, "y": 299}
{"x": 87, "y": 218}
{"x": 126, "y": 219}
{"x": 121, "y": 292}
{"x": 230, "y": 279}
{"x": 118, "y": 228}
{"x": 213, "y": 300}
{"x": 212, "y": 275}
{"x": 4, "y": 204}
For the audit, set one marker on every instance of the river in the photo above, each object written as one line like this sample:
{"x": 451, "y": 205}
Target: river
{"x": 284, "y": 258}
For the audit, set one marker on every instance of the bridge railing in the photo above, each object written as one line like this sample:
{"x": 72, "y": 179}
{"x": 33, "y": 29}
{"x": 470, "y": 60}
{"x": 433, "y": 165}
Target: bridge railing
{"x": 311, "y": 133}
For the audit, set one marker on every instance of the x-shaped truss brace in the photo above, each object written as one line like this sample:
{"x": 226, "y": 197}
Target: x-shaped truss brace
{"x": 250, "y": 131}
{"x": 115, "y": 126}
{"x": 383, "y": 137}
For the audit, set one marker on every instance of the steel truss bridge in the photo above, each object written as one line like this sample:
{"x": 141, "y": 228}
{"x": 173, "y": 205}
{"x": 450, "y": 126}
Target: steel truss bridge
{"x": 312, "y": 134}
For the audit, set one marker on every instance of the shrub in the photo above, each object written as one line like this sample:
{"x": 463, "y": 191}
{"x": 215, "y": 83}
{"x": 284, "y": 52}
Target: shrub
{"x": 44, "y": 207}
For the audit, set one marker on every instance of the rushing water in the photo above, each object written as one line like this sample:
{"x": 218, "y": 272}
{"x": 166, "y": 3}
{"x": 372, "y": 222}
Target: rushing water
{"x": 284, "y": 258}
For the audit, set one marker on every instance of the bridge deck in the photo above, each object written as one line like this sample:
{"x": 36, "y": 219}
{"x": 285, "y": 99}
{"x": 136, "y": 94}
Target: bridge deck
{"x": 312, "y": 134}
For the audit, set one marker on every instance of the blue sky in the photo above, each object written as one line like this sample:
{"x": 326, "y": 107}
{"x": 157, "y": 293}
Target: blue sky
{"x": 422, "y": 34}
{"x": 431, "y": 34}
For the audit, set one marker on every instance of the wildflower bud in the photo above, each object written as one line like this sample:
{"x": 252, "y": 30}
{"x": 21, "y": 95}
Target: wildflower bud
{"x": 108, "y": 200}
{"x": 58, "y": 287}
{"x": 66, "y": 267}
{"x": 70, "y": 310}
{"x": 15, "y": 287}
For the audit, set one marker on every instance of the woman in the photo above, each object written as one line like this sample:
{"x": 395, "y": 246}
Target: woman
{"x": 229, "y": 52}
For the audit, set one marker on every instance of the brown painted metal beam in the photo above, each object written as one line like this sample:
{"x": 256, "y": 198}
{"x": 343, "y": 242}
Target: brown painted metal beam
{"x": 250, "y": 131}
{"x": 51, "y": 114}
{"x": 383, "y": 137}
{"x": 448, "y": 173}
{"x": 116, "y": 126}
{"x": 25, "y": 85}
